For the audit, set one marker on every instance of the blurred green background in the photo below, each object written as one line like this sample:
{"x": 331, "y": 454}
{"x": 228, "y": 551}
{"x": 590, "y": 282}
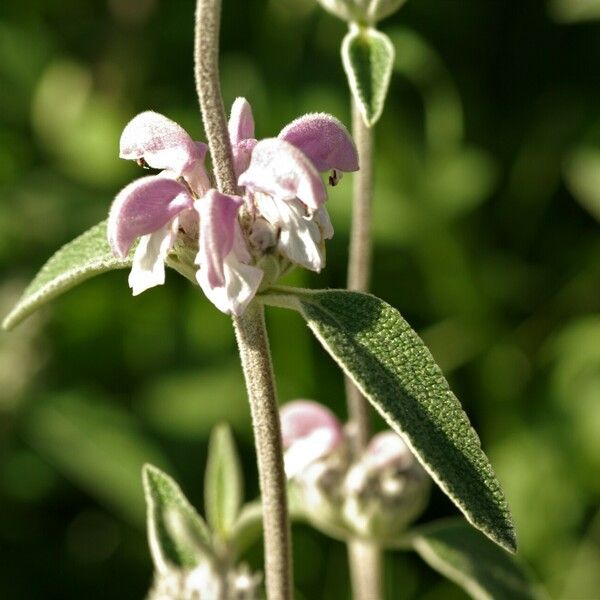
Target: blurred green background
{"x": 486, "y": 239}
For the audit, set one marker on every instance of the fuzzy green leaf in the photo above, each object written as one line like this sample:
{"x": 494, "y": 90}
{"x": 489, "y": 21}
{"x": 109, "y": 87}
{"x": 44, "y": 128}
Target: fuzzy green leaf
{"x": 86, "y": 256}
{"x": 223, "y": 483}
{"x": 171, "y": 545}
{"x": 395, "y": 371}
{"x": 471, "y": 561}
{"x": 368, "y": 58}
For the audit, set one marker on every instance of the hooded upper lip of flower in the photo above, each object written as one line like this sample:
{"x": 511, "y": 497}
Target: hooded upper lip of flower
{"x": 282, "y": 176}
{"x": 286, "y": 168}
{"x": 150, "y": 203}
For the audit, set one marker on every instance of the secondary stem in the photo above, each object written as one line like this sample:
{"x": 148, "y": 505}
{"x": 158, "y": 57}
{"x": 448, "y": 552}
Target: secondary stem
{"x": 256, "y": 361}
{"x": 359, "y": 262}
{"x": 250, "y": 329}
{"x": 365, "y": 559}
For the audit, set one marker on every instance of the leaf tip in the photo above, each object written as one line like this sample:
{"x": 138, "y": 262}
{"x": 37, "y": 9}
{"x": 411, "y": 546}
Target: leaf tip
{"x": 148, "y": 468}
{"x": 149, "y": 474}
{"x": 14, "y": 318}
{"x": 510, "y": 541}
{"x": 222, "y": 429}
{"x": 505, "y": 537}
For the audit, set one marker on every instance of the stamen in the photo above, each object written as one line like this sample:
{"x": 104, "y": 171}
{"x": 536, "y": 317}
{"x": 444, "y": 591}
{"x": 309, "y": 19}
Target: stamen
{"x": 335, "y": 177}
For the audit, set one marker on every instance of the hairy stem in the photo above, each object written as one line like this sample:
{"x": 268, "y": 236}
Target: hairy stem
{"x": 365, "y": 559}
{"x": 250, "y": 327}
{"x": 359, "y": 262}
{"x": 208, "y": 87}
{"x": 256, "y": 360}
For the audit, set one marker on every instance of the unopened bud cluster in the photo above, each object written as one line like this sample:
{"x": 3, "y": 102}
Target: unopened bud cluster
{"x": 205, "y": 582}
{"x": 374, "y": 496}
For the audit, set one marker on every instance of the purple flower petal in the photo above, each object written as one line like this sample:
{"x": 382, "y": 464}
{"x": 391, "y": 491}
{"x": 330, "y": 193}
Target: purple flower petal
{"x": 241, "y": 121}
{"x": 242, "y": 152}
{"x": 218, "y": 219}
{"x": 278, "y": 168}
{"x": 142, "y": 207}
{"x": 324, "y": 140}
{"x": 161, "y": 143}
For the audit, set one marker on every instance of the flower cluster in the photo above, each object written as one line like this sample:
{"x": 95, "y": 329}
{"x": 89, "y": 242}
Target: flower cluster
{"x": 375, "y": 495}
{"x": 222, "y": 240}
{"x": 205, "y": 582}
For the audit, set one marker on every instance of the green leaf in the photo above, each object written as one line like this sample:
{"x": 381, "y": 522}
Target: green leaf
{"x": 86, "y": 256}
{"x": 368, "y": 58}
{"x": 395, "y": 371}
{"x": 175, "y": 529}
{"x": 223, "y": 483}
{"x": 471, "y": 561}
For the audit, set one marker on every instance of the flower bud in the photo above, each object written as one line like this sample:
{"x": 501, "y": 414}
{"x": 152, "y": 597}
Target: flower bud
{"x": 207, "y": 582}
{"x": 309, "y": 432}
{"x": 316, "y": 462}
{"x": 319, "y": 492}
{"x": 187, "y": 584}
{"x": 385, "y": 490}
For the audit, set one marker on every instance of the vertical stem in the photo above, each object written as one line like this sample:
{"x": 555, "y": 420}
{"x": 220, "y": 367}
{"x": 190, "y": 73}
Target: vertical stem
{"x": 208, "y": 87}
{"x": 359, "y": 262}
{"x": 250, "y": 329}
{"x": 256, "y": 361}
{"x": 365, "y": 559}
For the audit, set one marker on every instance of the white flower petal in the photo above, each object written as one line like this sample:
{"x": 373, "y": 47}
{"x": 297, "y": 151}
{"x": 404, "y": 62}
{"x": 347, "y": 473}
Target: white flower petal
{"x": 301, "y": 238}
{"x": 321, "y": 216}
{"x": 148, "y": 269}
{"x": 309, "y": 449}
{"x": 241, "y": 284}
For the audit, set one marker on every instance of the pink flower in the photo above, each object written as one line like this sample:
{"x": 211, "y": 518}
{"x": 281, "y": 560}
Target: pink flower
{"x": 177, "y": 216}
{"x": 179, "y": 201}
{"x": 309, "y": 432}
{"x": 282, "y": 178}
